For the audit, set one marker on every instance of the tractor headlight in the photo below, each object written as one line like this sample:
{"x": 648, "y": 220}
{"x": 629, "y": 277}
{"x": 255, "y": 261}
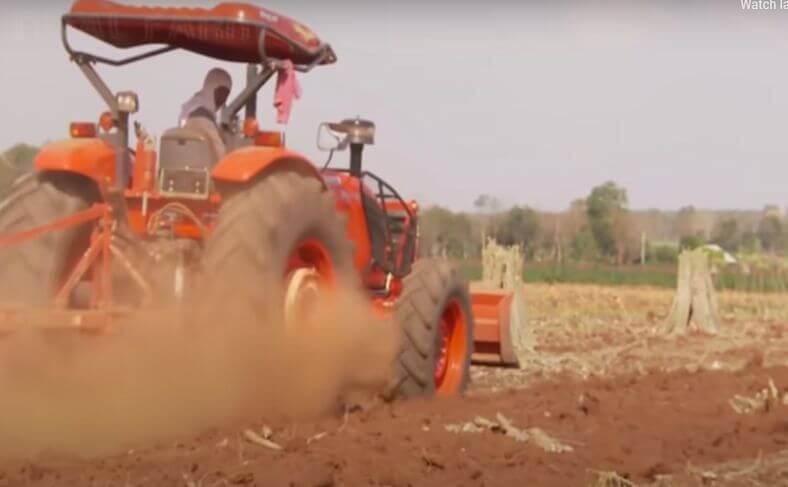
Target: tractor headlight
{"x": 128, "y": 102}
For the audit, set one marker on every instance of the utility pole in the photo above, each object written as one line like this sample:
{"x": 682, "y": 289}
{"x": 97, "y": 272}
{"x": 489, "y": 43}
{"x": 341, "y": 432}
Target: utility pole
{"x": 643, "y": 248}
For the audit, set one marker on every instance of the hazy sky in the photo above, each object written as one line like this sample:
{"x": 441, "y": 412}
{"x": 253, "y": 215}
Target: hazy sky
{"x": 680, "y": 102}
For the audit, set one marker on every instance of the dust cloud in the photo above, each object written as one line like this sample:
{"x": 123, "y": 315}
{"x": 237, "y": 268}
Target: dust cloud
{"x": 159, "y": 377}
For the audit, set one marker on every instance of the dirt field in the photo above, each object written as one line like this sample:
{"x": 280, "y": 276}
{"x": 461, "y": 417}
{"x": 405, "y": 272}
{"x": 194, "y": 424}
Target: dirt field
{"x": 605, "y": 400}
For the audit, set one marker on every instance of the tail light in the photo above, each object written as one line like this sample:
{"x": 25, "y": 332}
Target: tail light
{"x": 250, "y": 127}
{"x": 376, "y": 278}
{"x": 106, "y": 122}
{"x": 270, "y": 139}
{"x": 79, "y": 130}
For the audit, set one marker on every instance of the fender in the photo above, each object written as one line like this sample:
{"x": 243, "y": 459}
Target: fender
{"x": 93, "y": 158}
{"x": 243, "y": 165}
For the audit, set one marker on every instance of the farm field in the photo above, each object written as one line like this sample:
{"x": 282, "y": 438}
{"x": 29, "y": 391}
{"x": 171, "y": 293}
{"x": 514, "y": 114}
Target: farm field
{"x": 606, "y": 399}
{"x": 305, "y": 244}
{"x": 663, "y": 276}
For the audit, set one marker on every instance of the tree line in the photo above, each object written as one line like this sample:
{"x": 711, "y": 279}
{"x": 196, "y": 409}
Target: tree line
{"x": 601, "y": 228}
{"x": 597, "y": 228}
{"x": 13, "y": 163}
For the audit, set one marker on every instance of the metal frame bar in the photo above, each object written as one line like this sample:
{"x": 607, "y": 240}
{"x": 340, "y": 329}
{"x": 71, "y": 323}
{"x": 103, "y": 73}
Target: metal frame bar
{"x": 85, "y": 63}
{"x": 97, "y": 240}
{"x": 97, "y": 257}
{"x": 94, "y": 213}
{"x": 247, "y": 98}
{"x": 99, "y": 85}
{"x": 381, "y": 184}
{"x": 251, "y": 104}
{"x": 135, "y": 274}
{"x": 386, "y": 185}
{"x": 250, "y": 91}
{"x": 80, "y": 56}
{"x": 57, "y": 321}
{"x": 325, "y": 50}
{"x": 121, "y": 164}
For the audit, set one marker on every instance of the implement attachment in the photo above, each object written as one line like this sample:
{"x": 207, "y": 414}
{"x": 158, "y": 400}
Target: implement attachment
{"x": 496, "y": 318}
{"x": 93, "y": 266}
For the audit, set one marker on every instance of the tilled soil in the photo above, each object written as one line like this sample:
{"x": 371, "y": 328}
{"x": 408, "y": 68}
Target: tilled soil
{"x": 636, "y": 407}
{"x": 643, "y": 427}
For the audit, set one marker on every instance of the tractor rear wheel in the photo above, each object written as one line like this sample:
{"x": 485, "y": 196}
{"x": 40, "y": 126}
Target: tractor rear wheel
{"x": 279, "y": 235}
{"x": 434, "y": 313}
{"x": 32, "y": 271}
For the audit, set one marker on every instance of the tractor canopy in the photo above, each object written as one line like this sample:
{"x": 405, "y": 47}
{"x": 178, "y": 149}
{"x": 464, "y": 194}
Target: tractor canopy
{"x": 238, "y": 32}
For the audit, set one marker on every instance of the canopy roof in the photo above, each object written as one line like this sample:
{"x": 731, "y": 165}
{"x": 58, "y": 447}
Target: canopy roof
{"x": 238, "y": 32}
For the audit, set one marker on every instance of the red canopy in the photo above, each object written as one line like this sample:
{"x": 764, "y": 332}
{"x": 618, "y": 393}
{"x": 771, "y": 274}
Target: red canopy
{"x": 229, "y": 31}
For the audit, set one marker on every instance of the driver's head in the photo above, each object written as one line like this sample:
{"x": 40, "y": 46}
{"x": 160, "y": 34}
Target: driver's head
{"x": 218, "y": 85}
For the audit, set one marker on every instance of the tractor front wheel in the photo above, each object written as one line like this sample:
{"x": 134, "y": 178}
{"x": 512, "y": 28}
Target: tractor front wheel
{"x": 434, "y": 313}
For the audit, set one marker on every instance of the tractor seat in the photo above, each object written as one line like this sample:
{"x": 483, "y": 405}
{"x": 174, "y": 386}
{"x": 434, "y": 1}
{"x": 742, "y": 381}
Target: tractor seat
{"x": 186, "y": 157}
{"x": 197, "y": 143}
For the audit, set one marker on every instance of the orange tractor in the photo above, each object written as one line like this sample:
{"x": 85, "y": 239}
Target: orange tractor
{"x": 101, "y": 229}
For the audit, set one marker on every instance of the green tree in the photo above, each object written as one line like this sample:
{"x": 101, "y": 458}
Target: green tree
{"x": 691, "y": 242}
{"x": 726, "y": 234}
{"x": 750, "y": 243}
{"x": 518, "y": 226}
{"x": 662, "y": 253}
{"x": 485, "y": 203}
{"x": 13, "y": 163}
{"x": 7, "y": 175}
{"x": 21, "y": 156}
{"x": 607, "y": 212}
{"x": 771, "y": 233}
{"x": 446, "y": 233}
{"x": 784, "y": 245}
{"x": 686, "y": 222}
{"x": 583, "y": 246}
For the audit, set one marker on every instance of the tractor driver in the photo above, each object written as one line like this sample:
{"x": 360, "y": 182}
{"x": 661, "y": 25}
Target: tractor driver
{"x": 199, "y": 113}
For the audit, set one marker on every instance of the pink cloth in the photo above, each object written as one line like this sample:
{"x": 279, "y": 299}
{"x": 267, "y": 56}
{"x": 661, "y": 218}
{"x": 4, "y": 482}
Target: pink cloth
{"x": 287, "y": 89}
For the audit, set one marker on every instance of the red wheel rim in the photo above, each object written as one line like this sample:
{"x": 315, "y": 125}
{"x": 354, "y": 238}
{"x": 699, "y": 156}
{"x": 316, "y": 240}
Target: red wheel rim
{"x": 452, "y": 349}
{"x": 308, "y": 273}
{"x": 311, "y": 254}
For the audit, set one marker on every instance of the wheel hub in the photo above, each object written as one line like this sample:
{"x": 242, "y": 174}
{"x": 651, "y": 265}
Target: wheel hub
{"x": 301, "y": 294}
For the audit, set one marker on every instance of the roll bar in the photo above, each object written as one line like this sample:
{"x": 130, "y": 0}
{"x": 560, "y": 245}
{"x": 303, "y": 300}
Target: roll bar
{"x": 256, "y": 77}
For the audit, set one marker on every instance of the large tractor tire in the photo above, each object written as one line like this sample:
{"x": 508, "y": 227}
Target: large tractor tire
{"x": 32, "y": 271}
{"x": 282, "y": 228}
{"x": 435, "y": 316}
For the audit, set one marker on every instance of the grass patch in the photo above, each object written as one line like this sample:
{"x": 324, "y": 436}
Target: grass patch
{"x": 634, "y": 275}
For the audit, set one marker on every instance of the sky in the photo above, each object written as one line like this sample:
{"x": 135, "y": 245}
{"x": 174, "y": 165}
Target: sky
{"x": 682, "y": 103}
